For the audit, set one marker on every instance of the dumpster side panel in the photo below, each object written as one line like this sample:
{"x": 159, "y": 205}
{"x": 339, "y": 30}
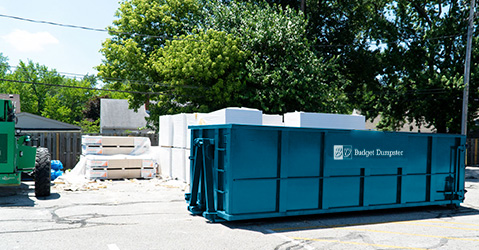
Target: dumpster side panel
{"x": 301, "y": 154}
{"x": 302, "y": 193}
{"x": 253, "y": 196}
{"x": 388, "y": 193}
{"x": 417, "y": 159}
{"x": 414, "y": 188}
{"x": 254, "y": 153}
{"x": 371, "y": 160}
{"x": 341, "y": 192}
{"x": 444, "y": 151}
{"x": 261, "y": 171}
{"x": 253, "y": 164}
{"x": 299, "y": 171}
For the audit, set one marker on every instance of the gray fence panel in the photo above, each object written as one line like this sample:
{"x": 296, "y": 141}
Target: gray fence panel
{"x": 66, "y": 146}
{"x": 472, "y": 152}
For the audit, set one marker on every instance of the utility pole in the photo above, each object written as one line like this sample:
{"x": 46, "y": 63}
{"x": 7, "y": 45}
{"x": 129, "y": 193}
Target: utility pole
{"x": 467, "y": 68}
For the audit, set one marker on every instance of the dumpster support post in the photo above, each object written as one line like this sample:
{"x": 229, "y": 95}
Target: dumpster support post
{"x": 202, "y": 177}
{"x": 192, "y": 198}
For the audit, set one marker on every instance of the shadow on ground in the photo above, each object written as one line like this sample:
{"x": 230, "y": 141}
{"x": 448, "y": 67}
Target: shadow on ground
{"x": 22, "y": 196}
{"x": 347, "y": 219}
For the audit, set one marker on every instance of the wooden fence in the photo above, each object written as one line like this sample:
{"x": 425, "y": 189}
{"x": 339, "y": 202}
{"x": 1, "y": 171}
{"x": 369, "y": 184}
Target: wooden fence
{"x": 472, "y": 152}
{"x": 66, "y": 146}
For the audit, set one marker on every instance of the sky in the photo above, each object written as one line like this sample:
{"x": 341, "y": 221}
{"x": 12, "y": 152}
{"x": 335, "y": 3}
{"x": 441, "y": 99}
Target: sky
{"x": 67, "y": 50}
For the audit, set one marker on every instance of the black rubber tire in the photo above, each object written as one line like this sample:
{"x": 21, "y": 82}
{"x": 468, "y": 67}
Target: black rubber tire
{"x": 42, "y": 174}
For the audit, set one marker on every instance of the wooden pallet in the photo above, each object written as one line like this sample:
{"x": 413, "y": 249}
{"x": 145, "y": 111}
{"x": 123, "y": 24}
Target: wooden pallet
{"x": 112, "y": 145}
{"x": 107, "y": 150}
{"x": 112, "y": 140}
{"x": 120, "y": 173}
{"x": 104, "y": 168}
{"x": 117, "y": 163}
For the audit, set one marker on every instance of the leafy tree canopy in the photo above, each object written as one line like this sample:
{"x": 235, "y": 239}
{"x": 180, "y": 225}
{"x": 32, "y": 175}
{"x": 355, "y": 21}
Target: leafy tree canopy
{"x": 202, "y": 56}
{"x": 204, "y": 69}
{"x": 142, "y": 27}
{"x": 283, "y": 73}
{"x": 402, "y": 59}
{"x": 43, "y": 94}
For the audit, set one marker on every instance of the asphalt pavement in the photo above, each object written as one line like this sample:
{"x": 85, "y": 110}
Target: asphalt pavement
{"x": 152, "y": 214}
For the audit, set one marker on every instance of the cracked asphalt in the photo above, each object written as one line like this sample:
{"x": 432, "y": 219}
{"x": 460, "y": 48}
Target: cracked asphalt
{"x": 152, "y": 214}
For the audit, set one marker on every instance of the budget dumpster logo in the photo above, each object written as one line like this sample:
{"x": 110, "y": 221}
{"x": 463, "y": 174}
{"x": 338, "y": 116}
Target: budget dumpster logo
{"x": 343, "y": 152}
{"x": 346, "y": 152}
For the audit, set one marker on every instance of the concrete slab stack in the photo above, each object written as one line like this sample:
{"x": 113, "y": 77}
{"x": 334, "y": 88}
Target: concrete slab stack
{"x": 326, "y": 121}
{"x": 175, "y": 137}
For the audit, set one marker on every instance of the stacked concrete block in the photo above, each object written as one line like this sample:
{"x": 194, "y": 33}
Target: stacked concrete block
{"x": 232, "y": 116}
{"x": 322, "y": 120}
{"x": 179, "y": 167}
{"x": 175, "y": 145}
{"x": 165, "y": 145}
{"x": 273, "y": 120}
{"x": 165, "y": 161}
{"x": 175, "y": 137}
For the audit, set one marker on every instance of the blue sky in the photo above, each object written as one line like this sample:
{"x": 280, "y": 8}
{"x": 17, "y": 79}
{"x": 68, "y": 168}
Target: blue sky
{"x": 64, "y": 49}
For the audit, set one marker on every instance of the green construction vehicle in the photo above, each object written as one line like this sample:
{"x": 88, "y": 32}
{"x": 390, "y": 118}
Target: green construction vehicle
{"x": 17, "y": 158}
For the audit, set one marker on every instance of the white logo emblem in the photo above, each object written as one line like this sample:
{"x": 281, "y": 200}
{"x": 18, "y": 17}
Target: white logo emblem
{"x": 343, "y": 152}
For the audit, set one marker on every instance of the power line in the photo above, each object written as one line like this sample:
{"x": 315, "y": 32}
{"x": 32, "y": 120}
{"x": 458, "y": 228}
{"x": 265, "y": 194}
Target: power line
{"x": 174, "y": 38}
{"x": 149, "y": 83}
{"x": 53, "y": 23}
{"x": 384, "y": 90}
{"x": 407, "y": 92}
{"x": 83, "y": 27}
{"x": 66, "y": 74}
{"x": 86, "y": 88}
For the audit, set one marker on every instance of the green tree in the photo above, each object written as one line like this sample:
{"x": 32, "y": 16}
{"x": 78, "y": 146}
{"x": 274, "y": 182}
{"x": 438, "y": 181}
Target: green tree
{"x": 269, "y": 65}
{"x": 3, "y": 65}
{"x": 283, "y": 72}
{"x": 204, "y": 69}
{"x": 67, "y": 103}
{"x": 141, "y": 28}
{"x": 422, "y": 66}
{"x": 88, "y": 126}
{"x": 32, "y": 96}
{"x": 403, "y": 59}
{"x": 92, "y": 108}
{"x": 45, "y": 92}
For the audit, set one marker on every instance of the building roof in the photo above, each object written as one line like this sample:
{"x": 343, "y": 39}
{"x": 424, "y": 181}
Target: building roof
{"x": 115, "y": 114}
{"x": 31, "y": 122}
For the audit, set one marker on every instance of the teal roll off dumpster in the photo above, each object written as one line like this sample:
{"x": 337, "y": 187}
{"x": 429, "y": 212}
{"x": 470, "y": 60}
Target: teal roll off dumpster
{"x": 243, "y": 172}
